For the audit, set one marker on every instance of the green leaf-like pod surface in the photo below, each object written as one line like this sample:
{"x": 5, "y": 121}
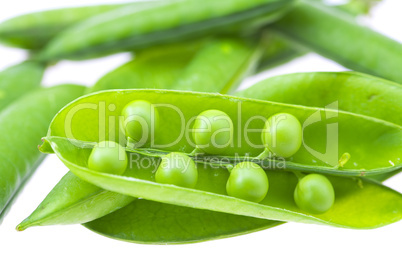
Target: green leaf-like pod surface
{"x": 374, "y": 145}
{"x": 351, "y": 209}
{"x": 18, "y": 80}
{"x": 76, "y": 201}
{"x": 27, "y": 119}
{"x": 35, "y": 30}
{"x": 165, "y": 22}
{"x": 352, "y": 92}
{"x": 149, "y": 222}
{"x": 333, "y": 34}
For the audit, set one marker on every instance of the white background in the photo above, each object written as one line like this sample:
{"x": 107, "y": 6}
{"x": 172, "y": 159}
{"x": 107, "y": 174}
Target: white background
{"x": 289, "y": 245}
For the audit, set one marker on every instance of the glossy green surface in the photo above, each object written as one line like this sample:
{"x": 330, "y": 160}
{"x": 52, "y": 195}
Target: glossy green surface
{"x": 374, "y": 146}
{"x": 282, "y": 135}
{"x": 177, "y": 169}
{"x": 73, "y": 201}
{"x": 29, "y": 114}
{"x": 220, "y": 66}
{"x": 158, "y": 67}
{"x": 149, "y": 222}
{"x": 76, "y": 201}
{"x": 247, "y": 181}
{"x": 139, "y": 121}
{"x": 165, "y": 22}
{"x": 210, "y": 193}
{"x": 349, "y": 91}
{"x": 314, "y": 193}
{"x": 338, "y": 36}
{"x": 213, "y": 132}
{"x": 108, "y": 157}
{"x": 360, "y": 203}
{"x": 18, "y": 80}
{"x": 35, "y": 30}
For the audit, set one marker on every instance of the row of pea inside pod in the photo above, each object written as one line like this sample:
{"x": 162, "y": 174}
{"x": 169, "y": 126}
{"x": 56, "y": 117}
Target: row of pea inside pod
{"x": 282, "y": 136}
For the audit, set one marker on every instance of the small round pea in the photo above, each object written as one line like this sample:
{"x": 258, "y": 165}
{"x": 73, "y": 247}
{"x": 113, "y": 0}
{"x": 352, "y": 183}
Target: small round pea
{"x": 282, "y": 134}
{"x": 178, "y": 169}
{"x": 213, "y": 131}
{"x": 140, "y": 117}
{"x": 108, "y": 157}
{"x": 314, "y": 194}
{"x": 248, "y": 181}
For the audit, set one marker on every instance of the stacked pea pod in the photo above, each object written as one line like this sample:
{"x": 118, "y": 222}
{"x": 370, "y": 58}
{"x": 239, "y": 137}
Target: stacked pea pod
{"x": 359, "y": 202}
{"x": 25, "y": 110}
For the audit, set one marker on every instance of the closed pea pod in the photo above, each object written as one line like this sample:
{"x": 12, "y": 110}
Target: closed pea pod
{"x": 18, "y": 80}
{"x": 282, "y": 50}
{"x": 165, "y": 22}
{"x": 338, "y": 36}
{"x": 29, "y": 114}
{"x": 35, "y": 30}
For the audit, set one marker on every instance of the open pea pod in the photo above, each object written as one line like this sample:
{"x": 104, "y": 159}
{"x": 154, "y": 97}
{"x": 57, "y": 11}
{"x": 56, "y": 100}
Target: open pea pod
{"x": 333, "y": 34}
{"x": 353, "y": 92}
{"x": 69, "y": 201}
{"x": 18, "y": 80}
{"x": 374, "y": 145}
{"x": 360, "y": 203}
{"x": 165, "y": 22}
{"x": 29, "y": 114}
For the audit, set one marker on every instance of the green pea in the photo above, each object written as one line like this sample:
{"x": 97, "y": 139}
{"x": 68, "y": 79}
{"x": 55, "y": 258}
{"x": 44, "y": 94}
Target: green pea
{"x": 314, "y": 194}
{"x": 108, "y": 157}
{"x": 140, "y": 119}
{"x": 213, "y": 131}
{"x": 282, "y": 134}
{"x": 178, "y": 169}
{"x": 248, "y": 181}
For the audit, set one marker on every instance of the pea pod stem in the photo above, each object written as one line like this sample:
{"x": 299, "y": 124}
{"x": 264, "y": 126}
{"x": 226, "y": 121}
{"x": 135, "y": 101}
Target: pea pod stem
{"x": 265, "y": 154}
{"x": 229, "y": 167}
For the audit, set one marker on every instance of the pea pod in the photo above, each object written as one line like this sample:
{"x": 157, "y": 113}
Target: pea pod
{"x": 353, "y": 92}
{"x": 68, "y": 202}
{"x": 220, "y": 66}
{"x": 29, "y": 114}
{"x": 149, "y": 222}
{"x": 361, "y": 203}
{"x": 158, "y": 67}
{"x": 372, "y": 154}
{"x": 35, "y": 30}
{"x": 279, "y": 51}
{"x": 333, "y": 34}
{"x": 18, "y": 80}
{"x": 140, "y": 184}
{"x": 163, "y": 23}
